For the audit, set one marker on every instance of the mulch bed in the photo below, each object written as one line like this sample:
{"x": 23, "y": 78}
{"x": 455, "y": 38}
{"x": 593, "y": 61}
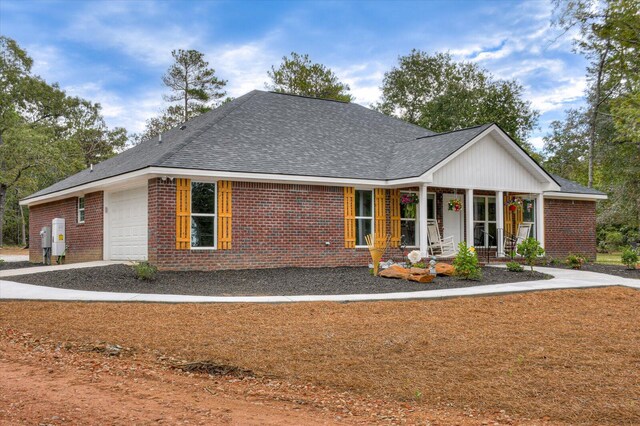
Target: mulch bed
{"x": 260, "y": 282}
{"x": 617, "y": 270}
{"x": 17, "y": 265}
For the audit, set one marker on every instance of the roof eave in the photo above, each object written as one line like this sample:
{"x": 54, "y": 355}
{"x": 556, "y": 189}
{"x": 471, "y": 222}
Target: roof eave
{"x": 574, "y": 196}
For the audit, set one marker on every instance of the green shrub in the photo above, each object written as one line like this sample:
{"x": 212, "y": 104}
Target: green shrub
{"x": 530, "y": 249}
{"x": 466, "y": 263}
{"x": 630, "y": 257}
{"x": 575, "y": 261}
{"x": 614, "y": 240}
{"x": 145, "y": 271}
{"x": 514, "y": 267}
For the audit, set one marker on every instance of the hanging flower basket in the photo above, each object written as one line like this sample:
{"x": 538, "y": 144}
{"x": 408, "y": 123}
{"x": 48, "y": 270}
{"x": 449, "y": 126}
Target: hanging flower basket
{"x": 455, "y": 204}
{"x": 409, "y": 201}
{"x": 514, "y": 204}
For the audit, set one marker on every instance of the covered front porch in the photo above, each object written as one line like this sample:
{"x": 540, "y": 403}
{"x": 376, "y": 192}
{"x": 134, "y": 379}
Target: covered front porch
{"x": 488, "y": 220}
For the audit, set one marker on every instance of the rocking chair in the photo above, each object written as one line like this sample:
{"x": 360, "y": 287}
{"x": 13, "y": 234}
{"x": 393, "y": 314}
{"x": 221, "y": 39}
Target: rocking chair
{"x": 441, "y": 247}
{"x": 524, "y": 230}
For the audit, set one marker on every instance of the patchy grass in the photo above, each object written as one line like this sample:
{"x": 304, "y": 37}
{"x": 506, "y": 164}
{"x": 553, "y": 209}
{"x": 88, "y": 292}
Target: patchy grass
{"x": 13, "y": 250}
{"x": 609, "y": 258}
{"x": 571, "y": 355}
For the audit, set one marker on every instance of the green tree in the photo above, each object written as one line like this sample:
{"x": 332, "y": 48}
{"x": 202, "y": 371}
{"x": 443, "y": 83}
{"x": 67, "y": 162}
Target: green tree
{"x": 438, "y": 93}
{"x": 44, "y": 134}
{"x": 298, "y": 75}
{"x": 610, "y": 39}
{"x": 193, "y": 83}
{"x": 566, "y": 147}
{"x": 194, "y": 87}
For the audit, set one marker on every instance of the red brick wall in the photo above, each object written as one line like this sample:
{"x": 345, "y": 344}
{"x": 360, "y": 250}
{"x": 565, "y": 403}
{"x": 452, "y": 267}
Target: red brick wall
{"x": 570, "y": 228}
{"x": 84, "y": 240}
{"x": 274, "y": 225}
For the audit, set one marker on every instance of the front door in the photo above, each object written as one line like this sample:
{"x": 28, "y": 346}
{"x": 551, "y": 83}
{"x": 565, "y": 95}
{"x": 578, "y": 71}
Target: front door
{"x": 451, "y": 220}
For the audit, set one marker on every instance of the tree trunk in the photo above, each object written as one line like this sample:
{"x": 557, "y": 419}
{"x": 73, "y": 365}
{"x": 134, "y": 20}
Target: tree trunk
{"x": 23, "y": 227}
{"x": 3, "y": 200}
{"x": 186, "y": 94}
{"x": 593, "y": 121}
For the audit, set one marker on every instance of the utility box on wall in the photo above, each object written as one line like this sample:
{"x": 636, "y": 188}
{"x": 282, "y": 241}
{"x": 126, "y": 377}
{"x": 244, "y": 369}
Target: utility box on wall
{"x": 58, "y": 237}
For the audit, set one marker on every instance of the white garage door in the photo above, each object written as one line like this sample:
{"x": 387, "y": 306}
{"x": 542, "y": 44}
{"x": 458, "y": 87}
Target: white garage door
{"x": 127, "y": 212}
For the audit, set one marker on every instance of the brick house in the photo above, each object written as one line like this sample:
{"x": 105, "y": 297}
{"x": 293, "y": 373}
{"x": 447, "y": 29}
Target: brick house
{"x": 281, "y": 180}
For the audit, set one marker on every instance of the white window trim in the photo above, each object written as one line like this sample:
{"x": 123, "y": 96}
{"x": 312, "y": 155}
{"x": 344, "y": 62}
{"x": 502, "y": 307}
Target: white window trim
{"x": 373, "y": 213}
{"x": 83, "y": 209}
{"x": 486, "y": 221}
{"x": 214, "y": 215}
{"x": 417, "y": 219}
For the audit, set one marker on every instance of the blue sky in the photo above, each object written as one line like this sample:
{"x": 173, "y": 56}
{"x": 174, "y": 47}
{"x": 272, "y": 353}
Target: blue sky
{"x": 116, "y": 52}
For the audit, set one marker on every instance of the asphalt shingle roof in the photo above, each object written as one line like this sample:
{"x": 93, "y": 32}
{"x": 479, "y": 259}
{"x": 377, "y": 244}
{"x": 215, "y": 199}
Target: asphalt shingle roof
{"x": 572, "y": 187}
{"x": 265, "y": 132}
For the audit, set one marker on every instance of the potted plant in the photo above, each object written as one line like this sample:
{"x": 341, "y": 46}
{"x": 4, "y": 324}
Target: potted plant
{"x": 514, "y": 204}
{"x": 455, "y": 204}
{"x": 409, "y": 201}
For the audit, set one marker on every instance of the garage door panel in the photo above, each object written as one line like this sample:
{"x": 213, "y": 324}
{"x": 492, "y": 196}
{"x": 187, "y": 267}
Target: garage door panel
{"x": 128, "y": 224}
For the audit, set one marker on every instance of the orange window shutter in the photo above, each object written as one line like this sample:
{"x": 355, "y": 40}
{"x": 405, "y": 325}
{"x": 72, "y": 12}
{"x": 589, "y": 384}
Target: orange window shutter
{"x": 380, "y": 218}
{"x": 224, "y": 215}
{"x": 349, "y": 217}
{"x": 183, "y": 214}
{"x": 394, "y": 213}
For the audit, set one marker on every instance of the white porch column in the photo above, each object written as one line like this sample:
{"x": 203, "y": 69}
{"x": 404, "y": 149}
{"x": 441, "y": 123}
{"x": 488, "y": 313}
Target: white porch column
{"x": 500, "y": 222}
{"x": 468, "y": 208}
{"x": 422, "y": 218}
{"x": 540, "y": 218}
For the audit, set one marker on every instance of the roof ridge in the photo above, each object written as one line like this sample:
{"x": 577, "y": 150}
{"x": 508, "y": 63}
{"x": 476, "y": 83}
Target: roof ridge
{"x": 453, "y": 131}
{"x": 230, "y": 108}
{"x": 307, "y": 97}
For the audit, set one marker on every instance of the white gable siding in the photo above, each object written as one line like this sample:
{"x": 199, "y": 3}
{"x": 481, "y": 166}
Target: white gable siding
{"x": 486, "y": 165}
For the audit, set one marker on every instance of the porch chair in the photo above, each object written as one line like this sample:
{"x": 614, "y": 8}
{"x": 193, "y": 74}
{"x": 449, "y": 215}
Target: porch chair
{"x": 524, "y": 230}
{"x": 441, "y": 247}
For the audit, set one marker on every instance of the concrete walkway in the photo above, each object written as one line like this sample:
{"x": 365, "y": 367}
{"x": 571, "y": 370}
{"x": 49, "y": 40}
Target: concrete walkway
{"x": 14, "y": 257}
{"x": 564, "y": 279}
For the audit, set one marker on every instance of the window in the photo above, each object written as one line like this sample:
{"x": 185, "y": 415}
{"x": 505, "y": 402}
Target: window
{"x": 364, "y": 216}
{"x": 80, "y": 209}
{"x": 203, "y": 215}
{"x": 409, "y": 224}
{"x": 484, "y": 221}
{"x": 529, "y": 214}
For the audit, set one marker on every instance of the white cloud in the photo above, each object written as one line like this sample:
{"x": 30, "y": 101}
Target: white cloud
{"x": 245, "y": 66}
{"x": 537, "y": 142}
{"x": 130, "y": 112}
{"x": 557, "y": 97}
{"x": 120, "y": 25}
{"x": 364, "y": 80}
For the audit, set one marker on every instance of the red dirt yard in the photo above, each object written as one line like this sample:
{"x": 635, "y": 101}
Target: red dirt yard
{"x": 562, "y": 357}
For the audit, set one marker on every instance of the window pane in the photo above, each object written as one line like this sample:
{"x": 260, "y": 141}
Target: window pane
{"x": 81, "y": 203}
{"x": 364, "y": 203}
{"x": 478, "y": 208}
{"x": 363, "y": 228}
{"x": 81, "y": 216}
{"x": 529, "y": 215}
{"x": 528, "y": 210}
{"x": 203, "y": 197}
{"x": 408, "y": 232}
{"x": 431, "y": 206}
{"x": 408, "y": 211}
{"x": 492, "y": 209}
{"x": 478, "y": 234}
{"x": 492, "y": 234}
{"x": 202, "y": 231}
